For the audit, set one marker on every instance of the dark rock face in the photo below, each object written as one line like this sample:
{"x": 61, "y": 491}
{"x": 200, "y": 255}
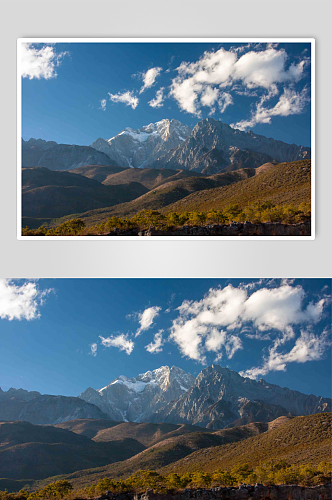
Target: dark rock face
{"x": 221, "y": 397}
{"x": 234, "y": 229}
{"x": 33, "y": 407}
{"x": 214, "y": 146}
{"x": 243, "y": 492}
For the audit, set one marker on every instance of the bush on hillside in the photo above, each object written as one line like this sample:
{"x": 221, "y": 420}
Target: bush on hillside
{"x": 268, "y": 473}
{"x": 258, "y": 212}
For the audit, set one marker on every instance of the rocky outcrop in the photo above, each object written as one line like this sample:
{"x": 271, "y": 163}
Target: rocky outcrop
{"x": 221, "y": 397}
{"x": 33, "y": 407}
{"x": 136, "y": 399}
{"x": 233, "y": 229}
{"x": 214, "y": 146}
{"x": 243, "y": 492}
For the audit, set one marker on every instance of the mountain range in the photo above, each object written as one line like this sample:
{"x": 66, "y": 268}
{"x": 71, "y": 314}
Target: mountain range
{"x": 214, "y": 146}
{"x": 137, "y": 399}
{"x": 211, "y": 147}
{"x": 36, "y": 408}
{"x": 216, "y": 399}
{"x": 49, "y": 154}
{"x": 163, "y": 166}
{"x": 142, "y": 147}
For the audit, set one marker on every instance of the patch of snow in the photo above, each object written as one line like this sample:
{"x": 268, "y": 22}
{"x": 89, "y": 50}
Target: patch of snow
{"x": 131, "y": 385}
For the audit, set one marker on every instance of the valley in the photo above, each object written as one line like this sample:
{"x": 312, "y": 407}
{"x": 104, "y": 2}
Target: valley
{"x": 163, "y": 420}
{"x": 164, "y": 167}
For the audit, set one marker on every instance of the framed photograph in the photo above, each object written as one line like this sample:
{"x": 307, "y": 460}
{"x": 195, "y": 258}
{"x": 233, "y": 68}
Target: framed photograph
{"x": 126, "y": 387}
{"x": 166, "y": 138}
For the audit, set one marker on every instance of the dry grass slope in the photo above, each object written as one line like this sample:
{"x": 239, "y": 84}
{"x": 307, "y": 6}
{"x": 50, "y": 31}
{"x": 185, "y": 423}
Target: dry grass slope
{"x": 167, "y": 452}
{"x": 163, "y": 196}
{"x": 299, "y": 440}
{"x": 285, "y": 183}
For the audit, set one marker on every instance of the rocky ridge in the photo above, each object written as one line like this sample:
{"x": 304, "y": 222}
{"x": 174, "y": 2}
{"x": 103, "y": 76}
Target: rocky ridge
{"x": 136, "y": 399}
{"x": 221, "y": 397}
{"x": 211, "y": 147}
{"x": 39, "y": 153}
{"x": 140, "y": 148}
{"x": 35, "y": 408}
{"x": 214, "y": 146}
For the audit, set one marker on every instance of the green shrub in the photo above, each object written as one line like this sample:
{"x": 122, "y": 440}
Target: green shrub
{"x": 258, "y": 212}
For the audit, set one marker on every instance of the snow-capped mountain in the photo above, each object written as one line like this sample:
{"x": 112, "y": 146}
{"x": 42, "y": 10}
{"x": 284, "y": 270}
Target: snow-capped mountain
{"x": 140, "y": 148}
{"x": 217, "y": 398}
{"x": 136, "y": 399}
{"x": 211, "y": 147}
{"x": 221, "y": 397}
{"x": 214, "y": 146}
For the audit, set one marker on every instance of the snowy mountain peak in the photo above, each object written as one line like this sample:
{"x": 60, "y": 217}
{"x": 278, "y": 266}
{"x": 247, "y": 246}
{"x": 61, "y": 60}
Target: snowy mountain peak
{"x": 135, "y": 399}
{"x": 141, "y": 147}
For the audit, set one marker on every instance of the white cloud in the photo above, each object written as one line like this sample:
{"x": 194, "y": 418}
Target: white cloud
{"x": 93, "y": 349}
{"x": 156, "y": 345}
{"x": 149, "y": 78}
{"x": 128, "y": 98}
{"x": 103, "y": 104}
{"x": 266, "y": 67}
{"x": 245, "y": 92}
{"x": 289, "y": 103}
{"x": 120, "y": 341}
{"x": 215, "y": 339}
{"x": 209, "y": 96}
{"x": 146, "y": 318}
{"x": 194, "y": 79}
{"x": 40, "y": 62}
{"x": 215, "y": 322}
{"x": 307, "y": 347}
{"x": 225, "y": 100}
{"x": 20, "y": 301}
{"x": 279, "y": 308}
{"x": 157, "y": 102}
{"x": 233, "y": 344}
{"x": 199, "y": 83}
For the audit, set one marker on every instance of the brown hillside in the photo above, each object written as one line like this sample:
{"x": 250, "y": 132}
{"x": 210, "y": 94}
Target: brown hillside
{"x": 98, "y": 172}
{"x": 299, "y": 440}
{"x": 148, "y": 177}
{"x": 163, "y": 196}
{"x": 285, "y": 183}
{"x": 145, "y": 433}
{"x": 34, "y": 451}
{"x": 88, "y": 427}
{"x": 167, "y": 451}
{"x": 50, "y": 194}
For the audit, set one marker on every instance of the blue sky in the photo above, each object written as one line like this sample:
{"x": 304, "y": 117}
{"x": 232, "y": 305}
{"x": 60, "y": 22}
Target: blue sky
{"x": 74, "y": 93}
{"x": 60, "y": 336}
